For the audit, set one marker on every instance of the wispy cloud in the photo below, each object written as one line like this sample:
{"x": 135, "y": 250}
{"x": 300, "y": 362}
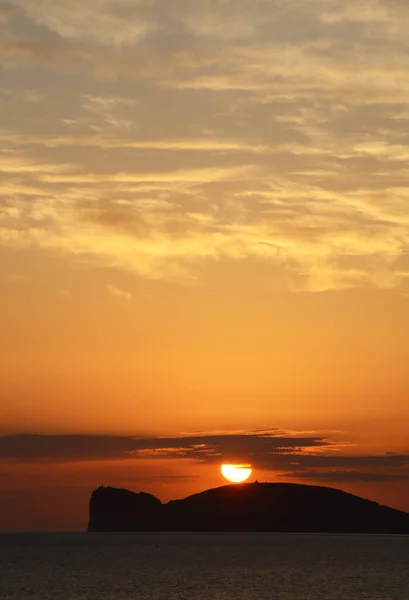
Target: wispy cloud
{"x": 313, "y": 457}
{"x": 117, "y": 293}
{"x": 268, "y": 131}
{"x": 97, "y": 20}
{"x": 207, "y": 446}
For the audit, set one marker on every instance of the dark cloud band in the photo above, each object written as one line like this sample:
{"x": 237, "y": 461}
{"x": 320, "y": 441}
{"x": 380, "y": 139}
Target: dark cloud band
{"x": 304, "y": 457}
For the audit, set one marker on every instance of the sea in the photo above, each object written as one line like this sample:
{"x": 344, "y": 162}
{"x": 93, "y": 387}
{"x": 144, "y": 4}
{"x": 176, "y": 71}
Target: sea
{"x": 204, "y": 566}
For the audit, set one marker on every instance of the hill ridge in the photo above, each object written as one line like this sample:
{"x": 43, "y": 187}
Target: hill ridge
{"x": 275, "y": 507}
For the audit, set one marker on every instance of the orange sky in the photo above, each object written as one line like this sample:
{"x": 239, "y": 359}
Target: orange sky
{"x": 204, "y": 231}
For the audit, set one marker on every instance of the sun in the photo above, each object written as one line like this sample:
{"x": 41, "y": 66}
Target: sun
{"x": 236, "y": 473}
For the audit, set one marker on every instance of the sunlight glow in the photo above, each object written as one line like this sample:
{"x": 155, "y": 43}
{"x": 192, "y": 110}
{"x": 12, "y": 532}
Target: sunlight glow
{"x": 236, "y": 473}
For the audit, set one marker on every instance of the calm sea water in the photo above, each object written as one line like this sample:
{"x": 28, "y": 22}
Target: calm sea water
{"x": 203, "y": 567}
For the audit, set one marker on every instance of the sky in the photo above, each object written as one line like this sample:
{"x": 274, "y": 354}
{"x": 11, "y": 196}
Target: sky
{"x": 204, "y": 248}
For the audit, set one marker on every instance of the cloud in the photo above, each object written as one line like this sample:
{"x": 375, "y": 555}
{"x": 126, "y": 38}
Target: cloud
{"x": 117, "y": 293}
{"x": 324, "y": 246}
{"x": 349, "y": 476}
{"x": 63, "y": 447}
{"x": 287, "y": 454}
{"x": 287, "y": 49}
{"x": 203, "y": 447}
{"x": 189, "y": 144}
{"x": 105, "y": 103}
{"x": 7, "y": 13}
{"x": 26, "y": 165}
{"x": 95, "y": 20}
{"x": 205, "y": 175}
{"x": 290, "y": 454}
{"x": 211, "y": 131}
{"x": 336, "y": 461}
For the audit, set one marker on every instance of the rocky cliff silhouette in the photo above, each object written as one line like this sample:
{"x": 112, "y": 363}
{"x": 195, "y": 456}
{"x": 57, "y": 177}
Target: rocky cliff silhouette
{"x": 280, "y": 507}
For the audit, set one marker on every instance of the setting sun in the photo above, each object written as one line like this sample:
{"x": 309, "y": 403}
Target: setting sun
{"x": 236, "y": 473}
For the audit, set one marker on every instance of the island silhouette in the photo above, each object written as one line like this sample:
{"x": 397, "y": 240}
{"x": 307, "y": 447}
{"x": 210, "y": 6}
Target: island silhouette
{"x": 246, "y": 507}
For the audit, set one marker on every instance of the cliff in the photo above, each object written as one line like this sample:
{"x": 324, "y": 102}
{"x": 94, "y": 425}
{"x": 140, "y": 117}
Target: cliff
{"x": 280, "y": 507}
